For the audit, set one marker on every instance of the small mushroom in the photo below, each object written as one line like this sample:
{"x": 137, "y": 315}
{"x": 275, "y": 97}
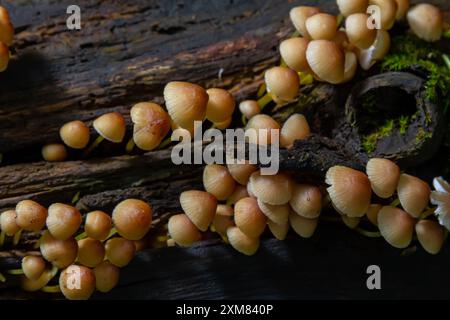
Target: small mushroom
{"x": 220, "y": 105}
{"x": 249, "y": 217}
{"x": 91, "y": 252}
{"x": 106, "y": 276}
{"x": 321, "y": 26}
{"x": 430, "y": 235}
{"x": 306, "y": 201}
{"x": 376, "y": 52}
{"x": 63, "y": 220}
{"x": 242, "y": 242}
{"x": 75, "y": 134}
{"x": 396, "y": 226}
{"x": 33, "y": 267}
{"x": 8, "y": 223}
{"x": 200, "y": 207}
{"x": 304, "y": 227}
{"x": 272, "y": 189}
{"x": 183, "y": 231}
{"x": 218, "y": 181}
{"x": 60, "y": 253}
{"x": 82, "y": 288}
{"x": 413, "y": 194}
{"x": 54, "y": 152}
{"x": 98, "y": 225}
{"x": 31, "y": 215}
{"x": 241, "y": 172}
{"x": 296, "y": 127}
{"x": 260, "y": 129}
{"x": 132, "y": 218}
{"x": 293, "y": 52}
{"x": 298, "y": 17}
{"x": 383, "y": 175}
{"x": 120, "y": 251}
{"x": 279, "y": 231}
{"x": 426, "y": 21}
{"x": 349, "y": 7}
{"x": 327, "y": 60}
{"x": 388, "y": 12}
{"x": 357, "y": 31}
{"x": 249, "y": 108}
{"x": 282, "y": 83}
{"x": 276, "y": 213}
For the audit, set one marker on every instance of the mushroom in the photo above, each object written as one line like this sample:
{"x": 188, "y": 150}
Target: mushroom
{"x": 220, "y": 105}
{"x": 306, "y": 200}
{"x": 383, "y": 175}
{"x": 183, "y": 231}
{"x": 60, "y": 253}
{"x": 82, "y": 288}
{"x": 151, "y": 125}
{"x": 132, "y": 218}
{"x": 396, "y": 226}
{"x": 200, "y": 207}
{"x": 239, "y": 193}
{"x": 276, "y": 213}
{"x": 413, "y": 194}
{"x": 249, "y": 108}
{"x": 110, "y": 126}
{"x": 430, "y": 235}
{"x": 372, "y": 213}
{"x": 120, "y": 251}
{"x": 349, "y": 7}
{"x": 273, "y": 189}
{"x": 293, "y": 52}
{"x": 106, "y": 276}
{"x": 186, "y": 102}
{"x": 30, "y": 215}
{"x": 98, "y": 225}
{"x": 34, "y": 285}
{"x": 223, "y": 219}
{"x": 260, "y": 129}
{"x": 295, "y": 128}
{"x": 33, "y": 267}
{"x": 8, "y": 225}
{"x": 321, "y": 26}
{"x": 224, "y": 124}
{"x": 54, "y": 152}
{"x": 302, "y": 226}
{"x": 75, "y": 134}
{"x": 6, "y": 27}
{"x": 282, "y": 83}
{"x": 357, "y": 31}
{"x": 349, "y": 190}
{"x": 279, "y": 231}
{"x": 426, "y": 21}
{"x": 376, "y": 52}
{"x": 91, "y": 252}
{"x": 388, "y": 12}
{"x": 249, "y": 217}
{"x": 241, "y": 172}
{"x": 218, "y": 181}
{"x": 298, "y": 17}
{"x": 327, "y": 60}
{"x": 63, "y": 220}
{"x": 402, "y": 9}
{"x": 242, "y": 242}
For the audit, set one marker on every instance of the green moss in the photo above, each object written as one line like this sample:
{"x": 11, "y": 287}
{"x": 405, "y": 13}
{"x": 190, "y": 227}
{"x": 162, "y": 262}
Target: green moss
{"x": 423, "y": 135}
{"x": 403, "y": 124}
{"x": 369, "y": 142}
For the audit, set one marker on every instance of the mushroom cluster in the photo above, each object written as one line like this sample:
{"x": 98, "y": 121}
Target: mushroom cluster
{"x": 6, "y": 38}
{"x": 89, "y": 261}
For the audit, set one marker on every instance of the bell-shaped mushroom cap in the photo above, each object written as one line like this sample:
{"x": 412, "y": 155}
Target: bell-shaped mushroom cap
{"x": 306, "y": 201}
{"x": 54, "y": 152}
{"x": 8, "y": 222}
{"x": 249, "y": 217}
{"x": 4, "y": 57}
{"x": 279, "y": 231}
{"x": 183, "y": 231}
{"x": 272, "y": 189}
{"x": 298, "y": 17}
{"x": 277, "y": 213}
{"x": 402, "y": 8}
{"x": 321, "y": 26}
{"x": 120, "y": 251}
{"x": 293, "y": 52}
{"x": 60, "y": 253}
{"x": 249, "y": 108}
{"x": 388, "y": 10}
{"x": 282, "y": 83}
{"x": 111, "y": 126}
{"x": 98, "y": 225}
{"x": 218, "y": 181}
{"x": 383, "y": 175}
{"x": 302, "y": 226}
{"x": 83, "y": 288}
{"x": 220, "y": 105}
{"x": 376, "y": 52}
{"x": 75, "y": 134}
{"x": 327, "y": 60}
{"x": 260, "y": 128}
{"x": 224, "y": 124}
{"x": 28, "y": 284}
{"x": 396, "y": 226}
{"x": 242, "y": 242}
{"x": 33, "y": 267}
{"x": 430, "y": 235}
{"x": 413, "y": 194}
{"x": 63, "y": 220}
{"x": 296, "y": 127}
{"x": 200, "y": 207}
{"x": 30, "y": 215}
{"x": 241, "y": 172}
{"x": 91, "y": 252}
{"x": 426, "y": 21}
{"x": 106, "y": 276}
{"x": 349, "y": 190}
{"x": 132, "y": 218}
{"x": 348, "y": 7}
{"x": 441, "y": 198}
{"x": 372, "y": 213}
{"x": 357, "y": 31}
{"x": 186, "y": 103}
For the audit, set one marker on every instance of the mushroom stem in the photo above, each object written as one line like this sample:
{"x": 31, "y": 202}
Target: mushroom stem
{"x": 15, "y": 272}
{"x": 167, "y": 141}
{"x": 305, "y": 78}
{"x": 81, "y": 236}
{"x": 369, "y": 234}
{"x": 51, "y": 289}
{"x": 76, "y": 198}
{"x": 339, "y": 20}
{"x": 265, "y": 100}
{"x": 395, "y": 203}
{"x": 261, "y": 90}
{"x": 427, "y": 213}
{"x": 111, "y": 233}
{"x": 93, "y": 146}
{"x": 244, "y": 119}
{"x": 16, "y": 238}
{"x": 446, "y": 60}
{"x": 130, "y": 146}
{"x": 2, "y": 278}
{"x": 2, "y": 238}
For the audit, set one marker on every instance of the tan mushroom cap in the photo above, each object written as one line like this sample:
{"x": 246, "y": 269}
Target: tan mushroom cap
{"x": 120, "y": 251}
{"x": 241, "y": 172}
{"x": 376, "y": 52}
{"x": 186, "y": 102}
{"x": 30, "y": 215}
{"x": 8, "y": 223}
{"x": 279, "y": 231}
{"x": 98, "y": 225}
{"x": 111, "y": 126}
{"x": 299, "y": 15}
{"x": 384, "y": 176}
{"x": 75, "y": 134}
{"x": 327, "y": 60}
{"x": 349, "y": 190}
{"x": 33, "y": 267}
{"x": 413, "y": 193}
{"x": 306, "y": 200}
{"x": 402, "y": 8}
{"x": 91, "y": 252}
{"x": 396, "y": 226}
{"x": 6, "y": 31}
{"x": 200, "y": 207}
{"x": 276, "y": 213}
{"x": 282, "y": 83}
{"x": 63, "y": 221}
{"x": 30, "y": 285}
{"x": 183, "y": 231}
{"x": 4, "y": 57}
{"x": 348, "y": 7}
{"x": 54, "y": 152}
{"x": 224, "y": 124}
{"x": 60, "y": 253}
{"x": 106, "y": 276}
{"x": 218, "y": 181}
{"x": 357, "y": 31}
{"x": 220, "y": 105}
{"x": 388, "y": 9}
{"x": 249, "y": 108}
{"x": 242, "y": 242}
{"x": 249, "y": 217}
{"x": 321, "y": 26}
{"x": 296, "y": 127}
{"x": 132, "y": 218}
{"x": 293, "y": 52}
{"x": 272, "y": 189}
{"x": 352, "y": 223}
{"x": 86, "y": 282}
{"x": 426, "y": 21}
{"x": 304, "y": 227}
{"x": 430, "y": 235}
{"x": 260, "y": 129}
{"x": 223, "y": 218}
